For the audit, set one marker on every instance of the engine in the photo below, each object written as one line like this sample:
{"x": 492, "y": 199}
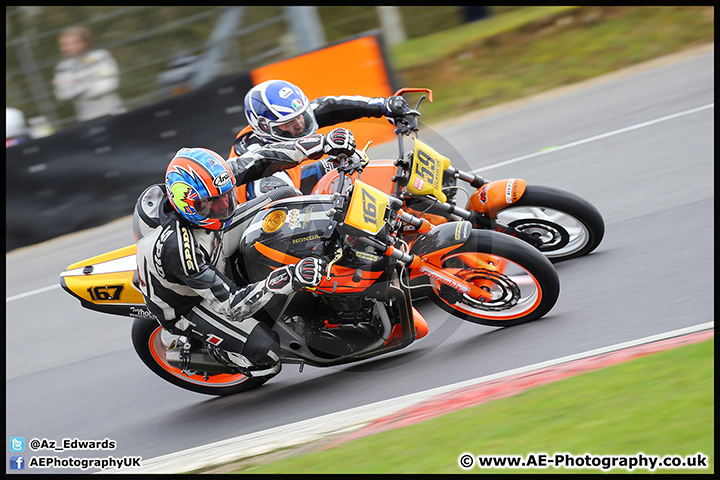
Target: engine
{"x": 347, "y": 324}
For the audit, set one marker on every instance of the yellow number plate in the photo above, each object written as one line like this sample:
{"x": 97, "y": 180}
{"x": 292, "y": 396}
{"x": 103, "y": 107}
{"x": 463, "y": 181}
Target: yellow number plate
{"x": 367, "y": 208}
{"x": 426, "y": 175}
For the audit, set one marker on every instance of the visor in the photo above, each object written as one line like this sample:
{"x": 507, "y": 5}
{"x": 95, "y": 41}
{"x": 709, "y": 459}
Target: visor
{"x": 220, "y": 207}
{"x": 297, "y": 127}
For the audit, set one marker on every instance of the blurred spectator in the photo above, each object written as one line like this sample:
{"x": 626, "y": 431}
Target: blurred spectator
{"x": 15, "y": 130}
{"x": 89, "y": 78}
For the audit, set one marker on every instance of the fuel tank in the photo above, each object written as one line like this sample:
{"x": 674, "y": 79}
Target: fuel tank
{"x": 289, "y": 229}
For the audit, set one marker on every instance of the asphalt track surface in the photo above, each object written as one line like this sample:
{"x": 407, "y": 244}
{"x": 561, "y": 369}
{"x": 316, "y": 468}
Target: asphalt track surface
{"x": 72, "y": 373}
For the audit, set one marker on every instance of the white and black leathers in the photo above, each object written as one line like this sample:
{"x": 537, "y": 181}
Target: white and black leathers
{"x": 182, "y": 267}
{"x": 329, "y": 110}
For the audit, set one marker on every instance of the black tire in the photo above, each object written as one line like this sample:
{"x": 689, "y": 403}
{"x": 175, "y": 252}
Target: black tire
{"x": 573, "y": 227}
{"x": 526, "y": 278}
{"x": 146, "y": 340}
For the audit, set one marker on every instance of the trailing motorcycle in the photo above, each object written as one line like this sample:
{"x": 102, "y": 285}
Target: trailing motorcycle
{"x": 362, "y": 308}
{"x": 560, "y": 224}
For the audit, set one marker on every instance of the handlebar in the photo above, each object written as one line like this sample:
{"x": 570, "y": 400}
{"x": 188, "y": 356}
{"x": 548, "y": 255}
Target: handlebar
{"x": 413, "y": 89}
{"x": 405, "y": 125}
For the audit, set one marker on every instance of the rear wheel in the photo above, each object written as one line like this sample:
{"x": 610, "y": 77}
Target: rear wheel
{"x": 568, "y": 225}
{"x": 151, "y": 342}
{"x": 523, "y": 283}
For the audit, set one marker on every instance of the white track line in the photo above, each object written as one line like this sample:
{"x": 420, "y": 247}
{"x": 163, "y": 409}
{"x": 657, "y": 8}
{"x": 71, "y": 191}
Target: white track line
{"x": 506, "y": 162}
{"x": 32, "y": 292}
{"x": 305, "y": 431}
{"x": 596, "y": 137}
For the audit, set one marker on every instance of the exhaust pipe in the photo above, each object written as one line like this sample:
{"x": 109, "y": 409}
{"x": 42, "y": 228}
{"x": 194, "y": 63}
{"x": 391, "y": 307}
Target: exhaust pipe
{"x": 196, "y": 360}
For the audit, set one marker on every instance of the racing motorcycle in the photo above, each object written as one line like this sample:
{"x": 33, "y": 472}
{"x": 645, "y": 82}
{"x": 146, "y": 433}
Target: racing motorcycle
{"x": 362, "y": 308}
{"x": 560, "y": 224}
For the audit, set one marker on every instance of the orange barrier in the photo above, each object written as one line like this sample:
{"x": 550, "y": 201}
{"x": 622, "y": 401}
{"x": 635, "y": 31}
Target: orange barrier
{"x": 355, "y": 67}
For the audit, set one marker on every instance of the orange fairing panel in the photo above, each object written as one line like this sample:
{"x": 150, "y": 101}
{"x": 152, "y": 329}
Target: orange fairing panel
{"x": 421, "y": 325}
{"x": 377, "y": 173}
{"x": 494, "y": 196}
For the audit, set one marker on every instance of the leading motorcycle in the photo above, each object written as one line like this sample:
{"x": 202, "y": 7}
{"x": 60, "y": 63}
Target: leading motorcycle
{"x": 362, "y": 308}
{"x": 558, "y": 223}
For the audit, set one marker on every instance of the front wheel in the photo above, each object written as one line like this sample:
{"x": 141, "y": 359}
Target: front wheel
{"x": 523, "y": 283}
{"x": 151, "y": 342}
{"x": 568, "y": 225}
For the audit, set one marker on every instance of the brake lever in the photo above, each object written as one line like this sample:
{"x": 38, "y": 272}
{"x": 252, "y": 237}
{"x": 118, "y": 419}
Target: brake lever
{"x": 364, "y": 159}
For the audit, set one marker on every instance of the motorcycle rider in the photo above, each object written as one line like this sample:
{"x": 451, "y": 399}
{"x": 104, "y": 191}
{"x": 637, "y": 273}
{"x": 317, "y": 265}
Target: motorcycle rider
{"x": 278, "y": 111}
{"x": 179, "y": 229}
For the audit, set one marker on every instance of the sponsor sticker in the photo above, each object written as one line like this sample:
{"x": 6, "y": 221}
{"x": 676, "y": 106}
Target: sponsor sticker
{"x": 141, "y": 313}
{"x": 187, "y": 250}
{"x": 483, "y": 194}
{"x": 509, "y": 191}
{"x": 305, "y": 239}
{"x": 367, "y": 256}
{"x": 306, "y": 218}
{"x": 222, "y": 179}
{"x": 458, "y": 231}
{"x": 293, "y": 219}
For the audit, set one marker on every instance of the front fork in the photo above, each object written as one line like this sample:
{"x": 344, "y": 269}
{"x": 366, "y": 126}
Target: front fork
{"x": 439, "y": 275}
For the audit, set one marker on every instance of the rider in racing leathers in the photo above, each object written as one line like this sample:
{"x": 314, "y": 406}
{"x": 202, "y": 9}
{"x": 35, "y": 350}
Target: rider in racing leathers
{"x": 179, "y": 228}
{"x": 278, "y": 111}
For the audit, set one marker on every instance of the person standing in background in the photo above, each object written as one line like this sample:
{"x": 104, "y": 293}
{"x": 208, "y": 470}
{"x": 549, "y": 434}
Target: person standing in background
{"x": 89, "y": 78}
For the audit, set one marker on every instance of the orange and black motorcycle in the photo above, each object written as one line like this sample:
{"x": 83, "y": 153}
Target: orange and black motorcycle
{"x": 558, "y": 223}
{"x": 363, "y": 306}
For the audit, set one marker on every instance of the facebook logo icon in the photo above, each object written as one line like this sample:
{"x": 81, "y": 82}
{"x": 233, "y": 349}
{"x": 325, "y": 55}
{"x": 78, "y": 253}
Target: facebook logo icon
{"x": 17, "y": 462}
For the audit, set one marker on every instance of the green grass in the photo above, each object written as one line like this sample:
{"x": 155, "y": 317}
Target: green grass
{"x": 661, "y": 404}
{"x": 436, "y": 47}
{"x": 528, "y": 51}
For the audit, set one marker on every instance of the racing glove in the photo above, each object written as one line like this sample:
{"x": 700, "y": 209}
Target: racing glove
{"x": 306, "y": 273}
{"x": 396, "y": 106}
{"x": 339, "y": 140}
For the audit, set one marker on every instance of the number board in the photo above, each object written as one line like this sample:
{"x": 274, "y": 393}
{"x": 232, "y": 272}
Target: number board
{"x": 367, "y": 208}
{"x": 427, "y": 170}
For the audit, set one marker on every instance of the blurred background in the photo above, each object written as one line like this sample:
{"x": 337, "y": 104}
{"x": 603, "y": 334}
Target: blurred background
{"x": 177, "y": 76}
{"x": 162, "y": 51}
{"x": 151, "y": 77}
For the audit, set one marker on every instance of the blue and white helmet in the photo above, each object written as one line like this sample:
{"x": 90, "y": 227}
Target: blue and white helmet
{"x": 279, "y": 111}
